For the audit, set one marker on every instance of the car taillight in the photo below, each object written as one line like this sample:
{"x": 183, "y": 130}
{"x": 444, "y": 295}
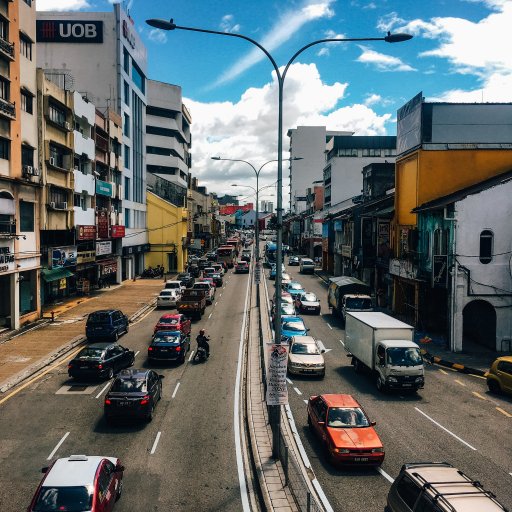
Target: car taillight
{"x": 150, "y": 349}
{"x": 178, "y": 349}
{"x": 99, "y": 366}
{"x": 107, "y": 401}
{"x": 70, "y": 365}
{"x": 145, "y": 400}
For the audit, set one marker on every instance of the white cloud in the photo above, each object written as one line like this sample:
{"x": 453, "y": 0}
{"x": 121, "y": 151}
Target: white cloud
{"x": 371, "y": 99}
{"x": 323, "y": 52}
{"x": 382, "y": 61}
{"x": 60, "y": 5}
{"x": 157, "y": 36}
{"x": 227, "y": 25}
{"x": 246, "y": 129}
{"x": 287, "y": 26}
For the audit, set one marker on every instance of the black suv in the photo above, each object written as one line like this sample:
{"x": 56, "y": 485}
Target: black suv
{"x": 106, "y": 324}
{"x": 186, "y": 279}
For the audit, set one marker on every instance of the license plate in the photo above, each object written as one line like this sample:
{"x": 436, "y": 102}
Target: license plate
{"x": 308, "y": 371}
{"x": 361, "y": 459}
{"x": 164, "y": 350}
{"x": 84, "y": 367}
{"x": 125, "y": 403}
{"x": 407, "y": 385}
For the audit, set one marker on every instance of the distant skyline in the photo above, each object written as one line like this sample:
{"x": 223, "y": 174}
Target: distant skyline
{"x": 460, "y": 53}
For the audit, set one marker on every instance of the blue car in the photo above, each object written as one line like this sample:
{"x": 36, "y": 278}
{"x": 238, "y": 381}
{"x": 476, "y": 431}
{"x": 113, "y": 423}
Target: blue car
{"x": 273, "y": 270}
{"x": 169, "y": 346}
{"x": 292, "y": 326}
{"x": 294, "y": 289}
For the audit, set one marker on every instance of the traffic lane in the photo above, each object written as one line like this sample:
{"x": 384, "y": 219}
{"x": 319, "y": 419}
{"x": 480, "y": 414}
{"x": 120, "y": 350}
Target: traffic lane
{"x": 199, "y": 435}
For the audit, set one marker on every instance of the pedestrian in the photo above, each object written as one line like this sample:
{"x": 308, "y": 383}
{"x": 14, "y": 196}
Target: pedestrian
{"x": 162, "y": 271}
{"x": 100, "y": 283}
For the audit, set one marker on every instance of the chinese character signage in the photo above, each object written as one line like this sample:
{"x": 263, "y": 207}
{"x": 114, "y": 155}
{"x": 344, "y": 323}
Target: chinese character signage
{"x": 60, "y": 257}
{"x": 117, "y": 231}
{"x": 102, "y": 222}
{"x": 277, "y": 391}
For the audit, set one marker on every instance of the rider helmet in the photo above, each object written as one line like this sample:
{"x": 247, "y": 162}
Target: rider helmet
{"x": 201, "y": 331}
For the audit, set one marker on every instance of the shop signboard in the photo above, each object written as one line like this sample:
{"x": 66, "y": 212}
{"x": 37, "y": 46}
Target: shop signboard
{"x": 117, "y": 231}
{"x": 60, "y": 257}
{"x": 69, "y": 31}
{"x": 102, "y": 222}
{"x": 62, "y": 283}
{"x": 439, "y": 271}
{"x": 6, "y": 258}
{"x": 107, "y": 267}
{"x": 85, "y": 257}
{"x": 103, "y": 248}
{"x": 104, "y": 188}
{"x": 86, "y": 232}
{"x": 277, "y": 391}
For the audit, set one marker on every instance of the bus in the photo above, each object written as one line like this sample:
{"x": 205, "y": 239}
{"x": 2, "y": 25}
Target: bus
{"x": 226, "y": 255}
{"x": 270, "y": 253}
{"x": 235, "y": 243}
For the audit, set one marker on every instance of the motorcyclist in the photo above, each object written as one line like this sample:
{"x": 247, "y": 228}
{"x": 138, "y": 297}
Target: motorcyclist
{"x": 202, "y": 341}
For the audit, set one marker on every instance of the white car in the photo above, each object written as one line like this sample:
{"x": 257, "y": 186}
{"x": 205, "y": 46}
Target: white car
{"x": 168, "y": 298}
{"x": 307, "y": 265}
{"x": 175, "y": 285}
{"x": 208, "y": 288}
{"x": 305, "y": 357}
{"x": 285, "y": 279}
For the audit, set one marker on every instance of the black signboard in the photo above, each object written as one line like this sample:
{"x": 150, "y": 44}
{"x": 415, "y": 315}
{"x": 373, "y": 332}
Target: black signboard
{"x": 440, "y": 271}
{"x": 69, "y": 31}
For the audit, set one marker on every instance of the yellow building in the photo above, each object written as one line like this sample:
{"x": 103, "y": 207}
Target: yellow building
{"x": 167, "y": 229}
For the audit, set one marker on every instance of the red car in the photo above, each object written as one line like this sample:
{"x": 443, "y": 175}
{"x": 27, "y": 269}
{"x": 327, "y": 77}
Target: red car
{"x": 209, "y": 280}
{"x": 345, "y": 430}
{"x": 80, "y": 482}
{"x": 174, "y": 322}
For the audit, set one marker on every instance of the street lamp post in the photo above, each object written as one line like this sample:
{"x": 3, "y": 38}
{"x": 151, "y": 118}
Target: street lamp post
{"x": 389, "y": 38}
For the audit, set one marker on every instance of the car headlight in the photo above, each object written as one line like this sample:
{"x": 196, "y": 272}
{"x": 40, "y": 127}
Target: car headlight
{"x": 392, "y": 379}
{"x": 297, "y": 365}
{"x": 420, "y": 380}
{"x": 377, "y": 450}
{"x": 341, "y": 450}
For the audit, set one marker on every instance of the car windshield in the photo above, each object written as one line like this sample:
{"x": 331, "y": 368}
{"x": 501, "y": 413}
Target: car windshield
{"x": 309, "y": 297}
{"x": 359, "y": 303}
{"x": 169, "y": 321}
{"x": 167, "y": 293}
{"x": 287, "y": 309}
{"x": 71, "y": 499}
{"x": 305, "y": 348}
{"x": 401, "y": 356}
{"x": 129, "y": 385}
{"x": 166, "y": 338}
{"x": 91, "y": 353}
{"x": 346, "y": 417}
{"x": 295, "y": 286}
{"x": 98, "y": 318}
{"x": 296, "y": 326}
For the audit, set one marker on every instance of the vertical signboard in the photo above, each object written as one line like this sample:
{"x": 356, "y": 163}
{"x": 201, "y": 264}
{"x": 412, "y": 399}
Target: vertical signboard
{"x": 277, "y": 391}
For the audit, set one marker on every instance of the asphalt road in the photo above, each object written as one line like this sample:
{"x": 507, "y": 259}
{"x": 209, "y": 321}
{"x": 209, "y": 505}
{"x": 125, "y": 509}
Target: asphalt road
{"x": 184, "y": 460}
{"x": 454, "y": 419}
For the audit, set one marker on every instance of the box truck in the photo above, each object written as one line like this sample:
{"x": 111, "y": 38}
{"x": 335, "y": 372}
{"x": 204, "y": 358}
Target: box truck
{"x": 385, "y": 346}
{"x": 347, "y": 294}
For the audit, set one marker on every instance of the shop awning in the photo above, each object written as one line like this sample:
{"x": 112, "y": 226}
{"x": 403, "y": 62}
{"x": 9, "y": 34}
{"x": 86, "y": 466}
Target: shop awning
{"x": 55, "y": 274}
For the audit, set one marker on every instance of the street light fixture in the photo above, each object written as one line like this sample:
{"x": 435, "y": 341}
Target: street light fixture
{"x": 280, "y": 75}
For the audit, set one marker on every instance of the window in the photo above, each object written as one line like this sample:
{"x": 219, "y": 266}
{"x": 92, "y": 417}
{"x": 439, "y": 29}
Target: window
{"x": 126, "y": 91}
{"x": 127, "y": 188}
{"x": 126, "y": 156}
{"x": 25, "y": 46}
{"x": 155, "y": 150}
{"x": 5, "y": 146}
{"x": 26, "y": 216}
{"x": 505, "y": 366}
{"x": 138, "y": 78}
{"x": 371, "y": 152}
{"x": 27, "y": 155}
{"x": 126, "y": 217}
{"x": 27, "y": 102}
{"x": 28, "y": 2}
{"x": 486, "y": 244}
{"x": 56, "y": 115}
{"x": 126, "y": 125}
{"x": 4, "y": 88}
{"x": 347, "y": 152}
{"x": 408, "y": 491}
{"x": 440, "y": 242}
{"x": 58, "y": 195}
{"x": 4, "y": 29}
{"x": 76, "y": 200}
{"x": 126, "y": 61}
{"x": 57, "y": 157}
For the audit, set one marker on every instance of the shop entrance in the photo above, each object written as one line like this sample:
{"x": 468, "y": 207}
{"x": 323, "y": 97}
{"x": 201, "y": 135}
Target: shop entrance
{"x": 479, "y": 323}
{"x": 5, "y": 301}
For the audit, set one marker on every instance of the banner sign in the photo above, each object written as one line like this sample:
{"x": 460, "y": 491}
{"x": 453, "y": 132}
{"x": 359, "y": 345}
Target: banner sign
{"x": 117, "y": 231}
{"x": 277, "y": 391}
{"x": 86, "y": 232}
{"x": 102, "y": 221}
{"x": 69, "y": 31}
{"x": 60, "y": 257}
{"x": 6, "y": 259}
{"x": 104, "y": 188}
{"x": 85, "y": 257}
{"x": 107, "y": 267}
{"x": 103, "y": 248}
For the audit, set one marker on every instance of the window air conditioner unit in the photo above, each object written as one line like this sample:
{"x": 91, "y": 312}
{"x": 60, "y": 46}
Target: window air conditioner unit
{"x": 52, "y": 204}
{"x": 35, "y": 171}
{"x": 52, "y": 160}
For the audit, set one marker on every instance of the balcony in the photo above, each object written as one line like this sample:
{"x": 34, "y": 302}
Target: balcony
{"x": 6, "y": 48}
{"x": 7, "y": 228}
{"x": 7, "y": 109}
{"x": 101, "y": 143}
{"x": 84, "y": 146}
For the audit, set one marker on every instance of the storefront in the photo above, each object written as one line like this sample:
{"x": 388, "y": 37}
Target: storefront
{"x": 133, "y": 260}
{"x": 6, "y": 281}
{"x": 58, "y": 279}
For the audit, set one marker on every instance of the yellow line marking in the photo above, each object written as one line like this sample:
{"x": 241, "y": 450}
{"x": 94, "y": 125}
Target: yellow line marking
{"x": 478, "y": 395}
{"x": 460, "y": 382}
{"x": 507, "y": 414}
{"x": 16, "y": 391}
{"x": 442, "y": 371}
{"x": 458, "y": 366}
{"x": 477, "y": 376}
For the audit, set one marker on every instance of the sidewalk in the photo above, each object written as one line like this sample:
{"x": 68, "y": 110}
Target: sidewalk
{"x": 25, "y": 352}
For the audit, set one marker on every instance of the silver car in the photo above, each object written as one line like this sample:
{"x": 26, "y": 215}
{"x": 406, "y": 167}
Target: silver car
{"x": 305, "y": 357}
{"x": 168, "y": 298}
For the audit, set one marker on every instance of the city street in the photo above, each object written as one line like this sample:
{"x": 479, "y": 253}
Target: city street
{"x": 453, "y": 419}
{"x": 185, "y": 459}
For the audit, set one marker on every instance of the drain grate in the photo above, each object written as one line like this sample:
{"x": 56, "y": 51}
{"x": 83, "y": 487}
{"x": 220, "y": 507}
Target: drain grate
{"x": 77, "y": 388}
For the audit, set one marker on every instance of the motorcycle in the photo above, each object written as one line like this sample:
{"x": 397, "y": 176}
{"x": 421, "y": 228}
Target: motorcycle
{"x": 201, "y": 355}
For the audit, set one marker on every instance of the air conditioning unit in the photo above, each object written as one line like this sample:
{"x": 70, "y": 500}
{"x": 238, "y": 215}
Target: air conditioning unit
{"x": 68, "y": 126}
{"x": 61, "y": 206}
{"x": 52, "y": 204}
{"x": 51, "y": 160}
{"x": 112, "y": 209}
{"x": 28, "y": 170}
{"x": 35, "y": 171}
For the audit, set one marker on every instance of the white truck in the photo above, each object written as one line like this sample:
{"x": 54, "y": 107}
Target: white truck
{"x": 385, "y": 346}
{"x": 346, "y": 294}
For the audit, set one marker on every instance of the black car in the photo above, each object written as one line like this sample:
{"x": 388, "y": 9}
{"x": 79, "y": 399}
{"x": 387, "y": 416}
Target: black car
{"x": 194, "y": 270}
{"x": 246, "y": 255}
{"x": 100, "y": 360}
{"x": 133, "y": 395}
{"x": 217, "y": 279}
{"x": 169, "y": 346}
{"x": 106, "y": 324}
{"x": 203, "y": 263}
{"x": 186, "y": 279}
{"x": 211, "y": 256}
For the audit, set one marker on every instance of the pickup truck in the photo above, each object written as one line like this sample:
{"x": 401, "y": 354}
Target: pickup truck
{"x": 347, "y": 294}
{"x": 206, "y": 287}
{"x": 192, "y": 302}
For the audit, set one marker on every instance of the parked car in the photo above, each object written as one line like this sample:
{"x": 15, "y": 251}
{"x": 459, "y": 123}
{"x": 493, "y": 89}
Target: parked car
{"x": 307, "y": 303}
{"x": 79, "y": 482}
{"x": 499, "y": 377}
{"x": 174, "y": 285}
{"x": 293, "y": 261}
{"x": 203, "y": 263}
{"x": 292, "y": 326}
{"x": 287, "y": 308}
{"x": 100, "y": 360}
{"x": 169, "y": 346}
{"x": 285, "y": 279}
{"x": 285, "y": 297}
{"x": 208, "y": 288}
{"x": 294, "y": 289}
{"x": 305, "y": 357}
{"x": 133, "y": 394}
{"x": 241, "y": 267}
{"x": 174, "y": 322}
{"x": 186, "y": 279}
{"x": 307, "y": 266}
{"x": 168, "y": 298}
{"x": 345, "y": 430}
{"x": 438, "y": 487}
{"x": 106, "y": 324}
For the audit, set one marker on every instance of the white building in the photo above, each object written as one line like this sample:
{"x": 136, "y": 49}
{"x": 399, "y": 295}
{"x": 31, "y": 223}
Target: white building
{"x": 308, "y": 144}
{"x": 106, "y": 58}
{"x": 266, "y": 206}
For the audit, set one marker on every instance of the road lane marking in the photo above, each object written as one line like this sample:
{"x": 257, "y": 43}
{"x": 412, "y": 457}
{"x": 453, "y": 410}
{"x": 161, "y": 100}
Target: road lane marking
{"x": 322, "y": 347}
{"x": 175, "y": 390}
{"x": 305, "y": 401}
{"x": 385, "y": 475}
{"x": 210, "y": 315}
{"x": 298, "y": 391}
{"x": 103, "y": 390}
{"x": 191, "y": 356}
{"x": 329, "y": 325}
{"x": 16, "y": 391}
{"x": 155, "y": 444}
{"x": 288, "y": 380}
{"x": 460, "y": 382}
{"x": 507, "y": 414}
{"x": 144, "y": 316}
{"x": 478, "y": 395}
{"x": 216, "y": 303}
{"x": 443, "y": 371}
{"x": 445, "y": 429}
{"x": 342, "y": 342}
{"x": 322, "y": 496}
{"x": 296, "y": 436}
{"x": 137, "y": 353}
{"x": 220, "y": 295}
{"x": 58, "y": 446}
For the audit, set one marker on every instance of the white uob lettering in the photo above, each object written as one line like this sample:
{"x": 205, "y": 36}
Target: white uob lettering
{"x": 77, "y": 30}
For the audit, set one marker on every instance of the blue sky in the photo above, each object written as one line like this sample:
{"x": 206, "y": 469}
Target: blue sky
{"x": 460, "y": 52}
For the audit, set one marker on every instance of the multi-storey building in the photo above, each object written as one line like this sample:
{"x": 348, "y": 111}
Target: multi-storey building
{"x": 105, "y": 56}
{"x": 19, "y": 171}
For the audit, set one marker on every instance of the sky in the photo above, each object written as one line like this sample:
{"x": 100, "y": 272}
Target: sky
{"x": 460, "y": 52}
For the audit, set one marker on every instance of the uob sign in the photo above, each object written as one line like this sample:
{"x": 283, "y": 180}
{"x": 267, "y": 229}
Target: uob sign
{"x": 69, "y": 31}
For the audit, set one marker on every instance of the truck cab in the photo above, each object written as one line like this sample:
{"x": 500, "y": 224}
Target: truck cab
{"x": 355, "y": 302}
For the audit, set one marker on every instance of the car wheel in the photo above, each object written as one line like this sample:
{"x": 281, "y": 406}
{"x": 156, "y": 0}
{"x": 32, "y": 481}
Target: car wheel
{"x": 380, "y": 384}
{"x": 119, "y": 490}
{"x": 116, "y": 336}
{"x": 110, "y": 373}
{"x": 181, "y": 359}
{"x": 132, "y": 361}
{"x": 149, "y": 417}
{"x": 357, "y": 365}
{"x": 494, "y": 387}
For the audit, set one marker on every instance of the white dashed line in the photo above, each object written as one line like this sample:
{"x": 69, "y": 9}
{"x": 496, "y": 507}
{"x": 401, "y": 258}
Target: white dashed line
{"x": 385, "y": 475}
{"x": 216, "y": 303}
{"x": 220, "y": 295}
{"x": 297, "y": 390}
{"x": 305, "y": 401}
{"x": 155, "y": 444}
{"x": 58, "y": 446}
{"x": 175, "y": 390}
{"x": 103, "y": 389}
{"x": 210, "y": 315}
{"x": 137, "y": 353}
{"x": 329, "y": 325}
{"x": 342, "y": 342}
{"x": 289, "y": 381}
{"x": 191, "y": 356}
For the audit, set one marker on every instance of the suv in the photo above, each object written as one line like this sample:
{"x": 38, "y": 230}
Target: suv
{"x": 499, "y": 377}
{"x": 106, "y": 324}
{"x": 80, "y": 482}
{"x": 307, "y": 265}
{"x": 438, "y": 487}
